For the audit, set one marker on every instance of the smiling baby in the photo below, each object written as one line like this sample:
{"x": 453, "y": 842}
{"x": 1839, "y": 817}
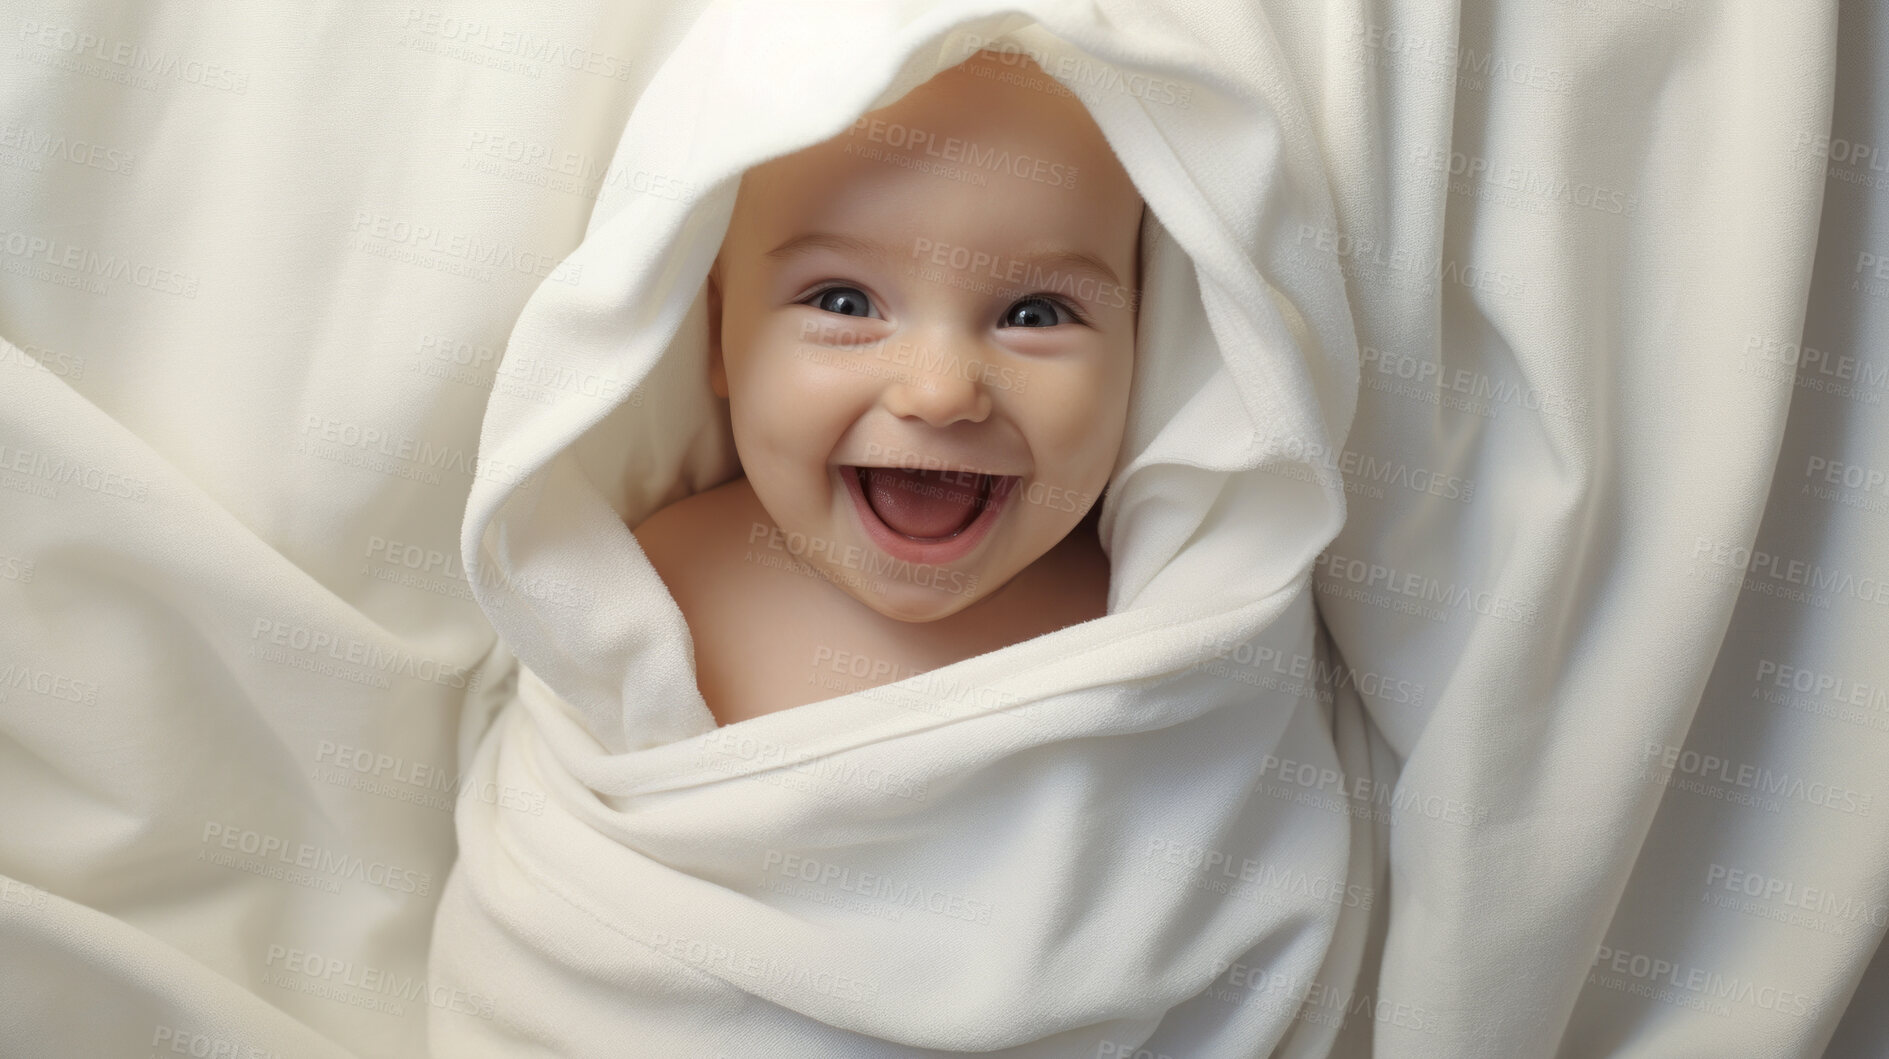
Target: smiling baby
{"x": 925, "y": 332}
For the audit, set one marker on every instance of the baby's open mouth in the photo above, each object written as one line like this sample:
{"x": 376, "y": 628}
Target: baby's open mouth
{"x": 925, "y": 505}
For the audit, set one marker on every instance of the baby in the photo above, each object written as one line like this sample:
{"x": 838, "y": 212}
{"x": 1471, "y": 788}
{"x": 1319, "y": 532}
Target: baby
{"x": 925, "y": 331}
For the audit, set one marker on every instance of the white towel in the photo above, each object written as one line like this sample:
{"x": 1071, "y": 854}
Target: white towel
{"x": 1063, "y": 847}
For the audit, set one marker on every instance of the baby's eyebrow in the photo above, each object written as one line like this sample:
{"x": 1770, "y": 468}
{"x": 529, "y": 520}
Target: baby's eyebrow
{"x": 800, "y": 244}
{"x": 1074, "y": 260}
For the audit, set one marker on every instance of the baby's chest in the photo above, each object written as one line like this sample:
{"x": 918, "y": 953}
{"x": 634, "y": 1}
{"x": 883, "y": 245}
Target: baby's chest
{"x": 761, "y": 651}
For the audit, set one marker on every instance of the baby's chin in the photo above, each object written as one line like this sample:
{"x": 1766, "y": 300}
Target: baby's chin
{"x": 916, "y": 604}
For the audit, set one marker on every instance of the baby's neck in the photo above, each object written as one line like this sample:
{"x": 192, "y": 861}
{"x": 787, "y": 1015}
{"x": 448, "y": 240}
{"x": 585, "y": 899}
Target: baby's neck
{"x": 768, "y": 637}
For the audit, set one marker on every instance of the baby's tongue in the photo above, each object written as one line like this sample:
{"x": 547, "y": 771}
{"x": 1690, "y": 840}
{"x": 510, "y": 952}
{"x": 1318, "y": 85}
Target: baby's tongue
{"x": 921, "y": 503}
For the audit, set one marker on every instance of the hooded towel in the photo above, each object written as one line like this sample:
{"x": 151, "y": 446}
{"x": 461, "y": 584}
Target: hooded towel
{"x": 1073, "y": 845}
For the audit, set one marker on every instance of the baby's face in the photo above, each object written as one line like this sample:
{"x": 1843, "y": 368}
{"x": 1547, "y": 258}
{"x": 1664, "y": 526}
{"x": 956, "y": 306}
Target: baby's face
{"x": 950, "y": 287}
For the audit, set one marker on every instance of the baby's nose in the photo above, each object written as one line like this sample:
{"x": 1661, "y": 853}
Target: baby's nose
{"x": 941, "y": 385}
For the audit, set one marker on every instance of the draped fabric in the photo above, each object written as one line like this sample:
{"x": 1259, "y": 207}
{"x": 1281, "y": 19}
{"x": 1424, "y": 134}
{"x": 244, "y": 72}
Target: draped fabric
{"x": 1494, "y": 660}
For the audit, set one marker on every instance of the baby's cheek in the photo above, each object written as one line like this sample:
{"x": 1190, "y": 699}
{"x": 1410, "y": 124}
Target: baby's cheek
{"x": 1069, "y": 411}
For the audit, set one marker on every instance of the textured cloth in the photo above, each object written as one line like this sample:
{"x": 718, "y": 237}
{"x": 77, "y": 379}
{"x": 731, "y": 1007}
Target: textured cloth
{"x": 1494, "y": 664}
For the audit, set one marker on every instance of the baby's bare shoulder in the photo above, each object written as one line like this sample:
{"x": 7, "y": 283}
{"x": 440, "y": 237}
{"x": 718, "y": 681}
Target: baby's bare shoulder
{"x": 696, "y": 543}
{"x": 695, "y": 512}
{"x": 677, "y": 537}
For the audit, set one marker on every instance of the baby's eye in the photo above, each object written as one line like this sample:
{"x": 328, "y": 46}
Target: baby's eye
{"x": 846, "y": 301}
{"x": 1037, "y": 311}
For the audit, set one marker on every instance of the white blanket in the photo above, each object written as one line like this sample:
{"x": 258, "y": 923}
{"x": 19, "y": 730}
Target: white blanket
{"x": 1597, "y": 767}
{"x": 1051, "y": 849}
